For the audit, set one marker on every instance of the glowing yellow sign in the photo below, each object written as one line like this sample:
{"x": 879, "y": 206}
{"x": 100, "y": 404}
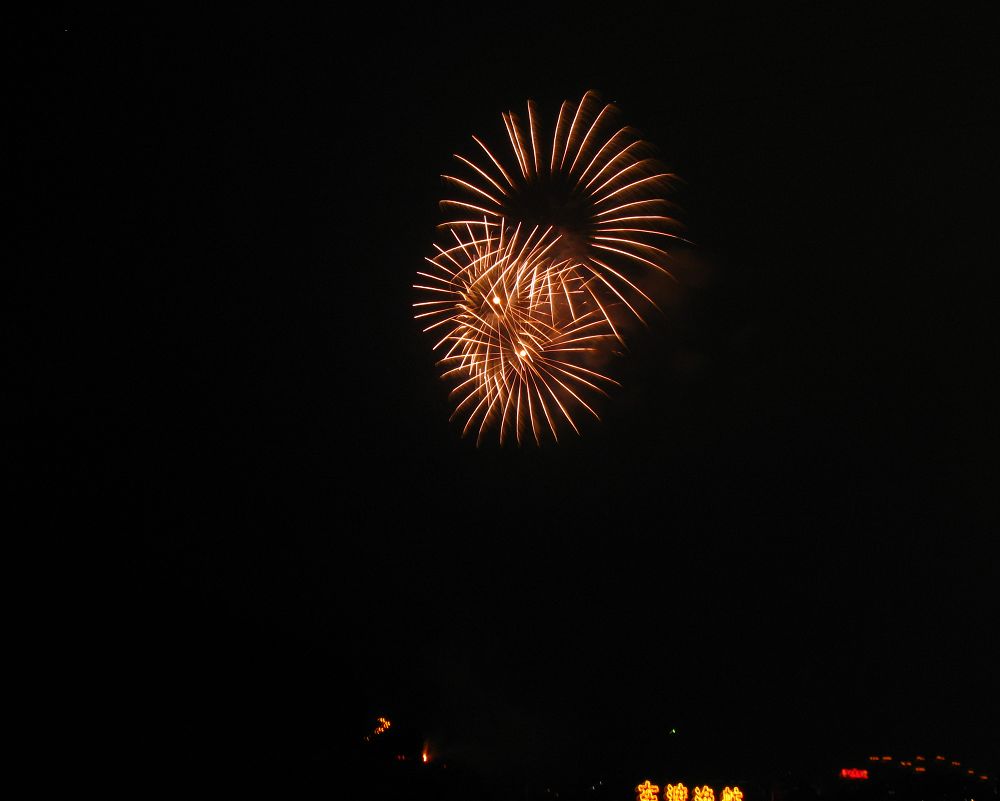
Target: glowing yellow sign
{"x": 675, "y": 792}
{"x": 704, "y": 793}
{"x": 647, "y": 791}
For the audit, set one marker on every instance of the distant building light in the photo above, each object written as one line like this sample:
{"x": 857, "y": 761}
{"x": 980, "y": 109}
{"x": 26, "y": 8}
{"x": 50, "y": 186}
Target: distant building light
{"x": 919, "y": 769}
{"x": 854, "y": 773}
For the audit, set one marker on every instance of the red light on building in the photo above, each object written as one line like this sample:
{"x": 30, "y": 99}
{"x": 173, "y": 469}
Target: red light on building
{"x": 919, "y": 769}
{"x": 854, "y": 773}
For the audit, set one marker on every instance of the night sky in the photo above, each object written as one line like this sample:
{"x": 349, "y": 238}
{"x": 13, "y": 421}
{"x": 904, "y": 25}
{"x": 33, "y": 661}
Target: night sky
{"x": 780, "y": 539}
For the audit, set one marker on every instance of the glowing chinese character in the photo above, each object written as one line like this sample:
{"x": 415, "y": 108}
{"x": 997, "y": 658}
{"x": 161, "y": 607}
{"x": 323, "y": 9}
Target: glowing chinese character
{"x": 732, "y": 794}
{"x": 704, "y": 793}
{"x": 647, "y": 791}
{"x": 675, "y": 792}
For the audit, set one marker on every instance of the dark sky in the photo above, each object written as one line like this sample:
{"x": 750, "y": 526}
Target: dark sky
{"x": 780, "y": 539}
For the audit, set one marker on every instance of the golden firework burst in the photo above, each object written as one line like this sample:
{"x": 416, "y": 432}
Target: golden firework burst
{"x": 517, "y": 327}
{"x": 546, "y": 249}
{"x": 596, "y": 186}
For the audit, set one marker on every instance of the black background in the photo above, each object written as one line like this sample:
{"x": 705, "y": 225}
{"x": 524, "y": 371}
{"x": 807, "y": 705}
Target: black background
{"x": 779, "y": 540}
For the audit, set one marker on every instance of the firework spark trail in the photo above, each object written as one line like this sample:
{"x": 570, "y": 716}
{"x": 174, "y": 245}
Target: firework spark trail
{"x": 595, "y": 188}
{"x": 515, "y": 326}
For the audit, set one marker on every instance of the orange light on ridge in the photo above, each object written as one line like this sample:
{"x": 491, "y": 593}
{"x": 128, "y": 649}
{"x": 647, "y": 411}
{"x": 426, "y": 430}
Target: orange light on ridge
{"x": 383, "y": 725}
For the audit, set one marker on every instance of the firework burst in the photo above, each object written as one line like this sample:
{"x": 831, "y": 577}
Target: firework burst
{"x": 591, "y": 180}
{"x": 545, "y": 248}
{"x": 517, "y": 327}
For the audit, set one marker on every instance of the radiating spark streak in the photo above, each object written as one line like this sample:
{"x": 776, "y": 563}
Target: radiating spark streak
{"x": 433, "y": 289}
{"x": 482, "y": 172}
{"x": 658, "y": 177}
{"x": 434, "y": 277}
{"x": 628, "y": 205}
{"x": 631, "y": 217}
{"x": 635, "y": 165}
{"x": 555, "y": 135}
{"x": 515, "y": 137}
{"x": 620, "y": 296}
{"x": 534, "y": 136}
{"x": 652, "y": 264}
{"x": 472, "y": 188}
{"x": 569, "y": 137}
{"x": 604, "y": 312}
{"x": 583, "y": 144}
{"x": 644, "y": 231}
{"x": 465, "y": 247}
{"x": 499, "y": 166}
{"x": 609, "y": 163}
{"x": 467, "y": 206}
{"x": 634, "y": 243}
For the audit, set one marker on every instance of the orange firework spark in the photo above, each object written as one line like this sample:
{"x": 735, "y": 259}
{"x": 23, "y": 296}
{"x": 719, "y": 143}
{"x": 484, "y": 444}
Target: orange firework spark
{"x": 517, "y": 326}
{"x": 596, "y": 186}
